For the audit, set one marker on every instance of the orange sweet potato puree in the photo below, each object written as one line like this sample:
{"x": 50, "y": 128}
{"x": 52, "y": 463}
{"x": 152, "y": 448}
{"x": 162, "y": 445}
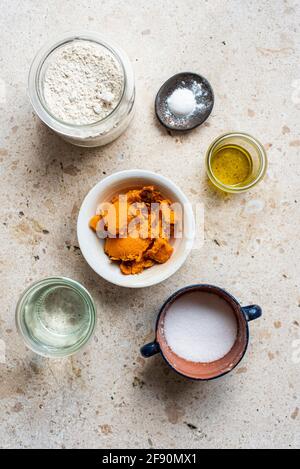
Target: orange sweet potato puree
{"x": 138, "y": 227}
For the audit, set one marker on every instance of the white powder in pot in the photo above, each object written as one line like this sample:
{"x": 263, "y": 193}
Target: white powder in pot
{"x": 83, "y": 83}
{"x": 182, "y": 102}
{"x": 200, "y": 327}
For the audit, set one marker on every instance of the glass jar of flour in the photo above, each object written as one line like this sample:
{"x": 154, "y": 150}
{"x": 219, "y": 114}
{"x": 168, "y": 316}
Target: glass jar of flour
{"x": 83, "y": 88}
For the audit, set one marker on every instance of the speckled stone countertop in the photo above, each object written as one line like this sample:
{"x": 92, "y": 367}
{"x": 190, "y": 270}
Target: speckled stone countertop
{"x": 108, "y": 396}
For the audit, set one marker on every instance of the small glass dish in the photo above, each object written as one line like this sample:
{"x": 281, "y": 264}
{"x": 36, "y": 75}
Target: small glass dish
{"x": 249, "y": 145}
{"x": 98, "y": 133}
{"x": 56, "y": 317}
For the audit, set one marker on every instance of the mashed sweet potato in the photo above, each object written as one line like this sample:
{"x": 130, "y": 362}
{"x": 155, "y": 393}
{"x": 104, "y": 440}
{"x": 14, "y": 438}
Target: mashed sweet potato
{"x": 137, "y": 226}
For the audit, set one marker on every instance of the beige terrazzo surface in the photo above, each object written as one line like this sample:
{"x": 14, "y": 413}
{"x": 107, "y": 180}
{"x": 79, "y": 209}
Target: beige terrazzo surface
{"x": 108, "y": 396}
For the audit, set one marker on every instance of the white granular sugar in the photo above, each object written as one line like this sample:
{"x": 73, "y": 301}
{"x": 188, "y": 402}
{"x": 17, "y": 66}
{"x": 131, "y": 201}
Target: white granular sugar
{"x": 200, "y": 327}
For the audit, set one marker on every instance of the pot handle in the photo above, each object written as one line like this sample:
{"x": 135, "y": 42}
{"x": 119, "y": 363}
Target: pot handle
{"x": 252, "y": 312}
{"x": 150, "y": 349}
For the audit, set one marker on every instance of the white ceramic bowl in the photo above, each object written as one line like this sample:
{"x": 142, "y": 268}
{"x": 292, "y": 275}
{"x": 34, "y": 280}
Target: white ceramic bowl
{"x": 92, "y": 247}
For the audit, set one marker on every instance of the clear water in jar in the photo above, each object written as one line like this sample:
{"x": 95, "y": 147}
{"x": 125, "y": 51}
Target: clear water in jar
{"x": 57, "y": 317}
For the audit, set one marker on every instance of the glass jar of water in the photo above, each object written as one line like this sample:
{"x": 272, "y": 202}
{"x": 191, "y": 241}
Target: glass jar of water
{"x": 56, "y": 317}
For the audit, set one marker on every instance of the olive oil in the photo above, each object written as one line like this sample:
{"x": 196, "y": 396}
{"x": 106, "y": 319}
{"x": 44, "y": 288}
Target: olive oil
{"x": 231, "y": 165}
{"x": 236, "y": 162}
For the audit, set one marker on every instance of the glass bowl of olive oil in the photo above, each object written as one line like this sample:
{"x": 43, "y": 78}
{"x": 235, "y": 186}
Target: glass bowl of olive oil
{"x": 236, "y": 162}
{"x": 56, "y": 317}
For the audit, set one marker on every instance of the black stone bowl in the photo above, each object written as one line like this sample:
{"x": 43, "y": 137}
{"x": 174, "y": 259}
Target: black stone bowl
{"x": 204, "y": 97}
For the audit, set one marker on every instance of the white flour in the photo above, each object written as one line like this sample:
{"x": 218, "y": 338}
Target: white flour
{"x": 83, "y": 83}
{"x": 200, "y": 327}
